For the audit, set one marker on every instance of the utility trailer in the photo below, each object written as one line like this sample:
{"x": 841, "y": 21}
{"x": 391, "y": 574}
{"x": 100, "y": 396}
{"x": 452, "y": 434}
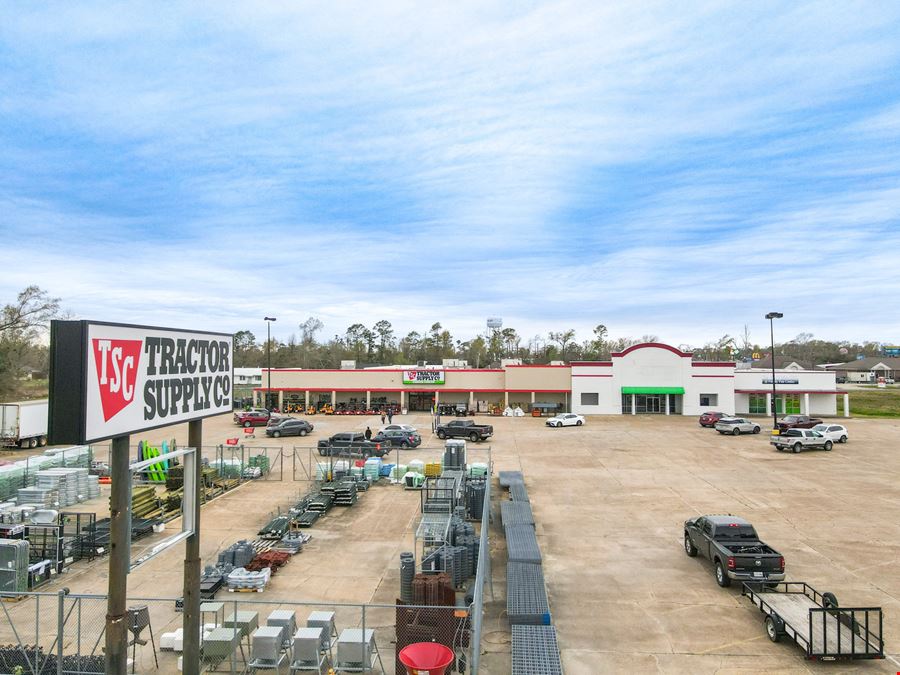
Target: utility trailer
{"x": 24, "y": 424}
{"x": 813, "y": 620}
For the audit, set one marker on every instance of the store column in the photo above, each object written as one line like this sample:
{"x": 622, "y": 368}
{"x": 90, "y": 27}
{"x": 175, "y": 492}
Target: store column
{"x": 806, "y": 404}
{"x": 306, "y": 398}
{"x": 668, "y": 402}
{"x": 280, "y": 399}
{"x": 505, "y": 399}
{"x": 769, "y": 407}
{"x": 369, "y": 401}
{"x": 471, "y": 400}
{"x": 633, "y": 398}
{"x": 846, "y": 405}
{"x": 333, "y": 398}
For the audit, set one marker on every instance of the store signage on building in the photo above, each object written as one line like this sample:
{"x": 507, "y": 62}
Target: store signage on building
{"x": 780, "y": 380}
{"x": 109, "y": 380}
{"x": 423, "y": 377}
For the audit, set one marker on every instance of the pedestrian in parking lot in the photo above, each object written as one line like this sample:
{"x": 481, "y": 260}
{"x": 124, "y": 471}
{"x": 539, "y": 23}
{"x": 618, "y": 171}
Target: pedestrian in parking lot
{"x": 390, "y": 415}
{"x": 368, "y": 434}
{"x": 382, "y": 416}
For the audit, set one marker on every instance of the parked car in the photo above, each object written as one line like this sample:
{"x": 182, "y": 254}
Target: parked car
{"x": 797, "y": 422}
{"x": 288, "y": 426}
{"x": 833, "y": 432}
{"x": 566, "y": 420}
{"x": 465, "y": 429}
{"x": 256, "y": 417}
{"x": 736, "y": 426}
{"x": 709, "y": 419}
{"x": 801, "y": 439}
{"x": 398, "y": 438}
{"x": 734, "y": 548}
{"x": 400, "y": 427}
{"x": 351, "y": 444}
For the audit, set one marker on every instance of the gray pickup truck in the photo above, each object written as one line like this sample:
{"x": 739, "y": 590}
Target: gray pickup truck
{"x": 465, "y": 429}
{"x": 801, "y": 439}
{"x": 734, "y": 548}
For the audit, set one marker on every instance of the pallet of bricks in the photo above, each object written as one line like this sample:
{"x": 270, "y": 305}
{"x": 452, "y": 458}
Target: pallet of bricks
{"x": 535, "y": 650}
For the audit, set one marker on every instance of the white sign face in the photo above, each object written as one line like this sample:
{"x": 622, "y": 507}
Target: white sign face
{"x": 423, "y": 377}
{"x": 140, "y": 378}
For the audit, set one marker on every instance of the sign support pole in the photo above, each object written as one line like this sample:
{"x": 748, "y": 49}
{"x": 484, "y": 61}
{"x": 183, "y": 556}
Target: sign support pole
{"x": 119, "y": 556}
{"x": 191, "y": 619}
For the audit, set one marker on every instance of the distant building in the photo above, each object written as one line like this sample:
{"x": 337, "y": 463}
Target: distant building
{"x": 868, "y": 369}
{"x": 247, "y": 377}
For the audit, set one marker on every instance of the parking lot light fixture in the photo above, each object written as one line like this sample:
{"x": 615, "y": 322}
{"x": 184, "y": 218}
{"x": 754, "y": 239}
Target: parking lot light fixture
{"x": 771, "y": 316}
{"x": 269, "y": 320}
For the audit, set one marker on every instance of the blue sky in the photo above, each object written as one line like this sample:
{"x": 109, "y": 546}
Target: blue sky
{"x": 662, "y": 168}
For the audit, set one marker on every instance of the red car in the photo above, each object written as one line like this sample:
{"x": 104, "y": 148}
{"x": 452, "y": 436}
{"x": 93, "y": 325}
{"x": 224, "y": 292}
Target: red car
{"x": 709, "y": 419}
{"x": 252, "y": 418}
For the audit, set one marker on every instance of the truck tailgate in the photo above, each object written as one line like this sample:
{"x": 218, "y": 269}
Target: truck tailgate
{"x": 759, "y": 565}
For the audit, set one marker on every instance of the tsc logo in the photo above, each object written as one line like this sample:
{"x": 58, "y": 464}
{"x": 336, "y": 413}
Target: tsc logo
{"x": 117, "y": 362}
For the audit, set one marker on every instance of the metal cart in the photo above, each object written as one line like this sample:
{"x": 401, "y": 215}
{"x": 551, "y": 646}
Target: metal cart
{"x": 814, "y": 621}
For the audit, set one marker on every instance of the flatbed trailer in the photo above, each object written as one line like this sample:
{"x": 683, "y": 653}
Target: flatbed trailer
{"x": 813, "y": 620}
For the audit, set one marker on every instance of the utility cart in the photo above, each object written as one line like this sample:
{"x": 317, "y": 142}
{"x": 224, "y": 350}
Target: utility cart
{"x": 814, "y": 621}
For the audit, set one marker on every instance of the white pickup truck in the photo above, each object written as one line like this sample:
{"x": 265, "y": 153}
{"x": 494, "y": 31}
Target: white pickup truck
{"x": 801, "y": 439}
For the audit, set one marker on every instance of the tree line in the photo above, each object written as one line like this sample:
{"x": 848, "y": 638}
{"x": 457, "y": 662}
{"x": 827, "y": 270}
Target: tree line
{"x": 24, "y": 353}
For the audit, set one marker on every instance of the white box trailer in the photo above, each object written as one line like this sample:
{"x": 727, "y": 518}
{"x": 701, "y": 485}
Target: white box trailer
{"x": 24, "y": 423}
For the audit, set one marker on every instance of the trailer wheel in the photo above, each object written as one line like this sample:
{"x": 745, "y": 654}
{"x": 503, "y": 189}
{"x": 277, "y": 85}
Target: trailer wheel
{"x": 774, "y": 627}
{"x": 32, "y": 443}
{"x": 829, "y": 600}
{"x": 43, "y": 441}
{"x": 721, "y": 576}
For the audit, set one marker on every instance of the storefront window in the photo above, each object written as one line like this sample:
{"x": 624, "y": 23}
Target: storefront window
{"x": 758, "y": 405}
{"x": 792, "y": 404}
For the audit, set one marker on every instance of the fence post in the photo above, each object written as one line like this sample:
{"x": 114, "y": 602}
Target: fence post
{"x": 365, "y": 644}
{"x": 60, "y": 623}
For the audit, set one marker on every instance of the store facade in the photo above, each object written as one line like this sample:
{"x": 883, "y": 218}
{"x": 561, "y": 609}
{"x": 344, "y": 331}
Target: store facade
{"x": 646, "y": 379}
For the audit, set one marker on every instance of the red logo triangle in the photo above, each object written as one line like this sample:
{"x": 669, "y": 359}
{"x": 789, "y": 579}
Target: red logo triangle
{"x": 117, "y": 365}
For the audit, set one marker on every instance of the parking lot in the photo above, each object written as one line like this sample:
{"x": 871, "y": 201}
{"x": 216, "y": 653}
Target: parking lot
{"x": 609, "y": 500}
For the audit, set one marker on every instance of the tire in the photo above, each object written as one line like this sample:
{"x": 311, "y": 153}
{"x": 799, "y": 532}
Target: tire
{"x": 578, "y": 423}
{"x": 32, "y": 443}
{"x": 441, "y": 435}
{"x": 302, "y": 432}
{"x": 321, "y": 452}
{"x": 473, "y": 437}
{"x": 735, "y": 432}
{"x": 276, "y": 434}
{"x": 828, "y": 445}
{"x": 43, "y": 441}
{"x": 404, "y": 445}
{"x": 559, "y": 425}
{"x": 756, "y": 430}
{"x": 829, "y": 600}
{"x": 843, "y": 439}
{"x": 722, "y": 576}
{"x": 774, "y": 627}
{"x": 247, "y": 425}
{"x": 797, "y": 447}
{"x": 689, "y": 547}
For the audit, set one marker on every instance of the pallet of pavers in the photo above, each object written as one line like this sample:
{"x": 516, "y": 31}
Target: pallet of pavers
{"x": 535, "y": 651}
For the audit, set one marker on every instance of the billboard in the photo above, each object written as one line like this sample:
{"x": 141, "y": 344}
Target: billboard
{"x": 109, "y": 380}
{"x": 423, "y": 377}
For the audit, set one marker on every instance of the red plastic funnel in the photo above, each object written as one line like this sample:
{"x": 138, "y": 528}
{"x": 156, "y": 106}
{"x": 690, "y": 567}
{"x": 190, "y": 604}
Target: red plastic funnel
{"x": 426, "y": 658}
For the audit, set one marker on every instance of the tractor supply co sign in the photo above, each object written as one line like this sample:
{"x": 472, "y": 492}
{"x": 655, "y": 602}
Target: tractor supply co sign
{"x": 423, "y": 377}
{"x": 109, "y": 380}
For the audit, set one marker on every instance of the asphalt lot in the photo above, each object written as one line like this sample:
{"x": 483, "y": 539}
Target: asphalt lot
{"x": 609, "y": 499}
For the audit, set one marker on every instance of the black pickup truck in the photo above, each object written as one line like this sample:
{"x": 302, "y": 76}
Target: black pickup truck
{"x": 351, "y": 444}
{"x": 734, "y": 548}
{"x": 465, "y": 429}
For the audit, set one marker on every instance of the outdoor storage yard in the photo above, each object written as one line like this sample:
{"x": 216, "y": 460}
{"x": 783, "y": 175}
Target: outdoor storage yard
{"x": 609, "y": 500}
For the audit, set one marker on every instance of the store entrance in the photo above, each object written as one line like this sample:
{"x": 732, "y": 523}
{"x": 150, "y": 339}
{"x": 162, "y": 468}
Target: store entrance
{"x": 421, "y": 402}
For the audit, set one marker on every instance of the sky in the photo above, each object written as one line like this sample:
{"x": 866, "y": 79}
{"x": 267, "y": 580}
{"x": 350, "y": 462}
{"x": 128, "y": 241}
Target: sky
{"x": 675, "y": 169}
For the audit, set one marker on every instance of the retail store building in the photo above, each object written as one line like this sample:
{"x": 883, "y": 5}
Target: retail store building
{"x": 649, "y": 378}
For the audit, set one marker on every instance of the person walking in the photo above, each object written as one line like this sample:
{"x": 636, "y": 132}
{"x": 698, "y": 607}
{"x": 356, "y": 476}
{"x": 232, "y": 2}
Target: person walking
{"x": 368, "y": 434}
{"x": 382, "y": 417}
{"x": 390, "y": 415}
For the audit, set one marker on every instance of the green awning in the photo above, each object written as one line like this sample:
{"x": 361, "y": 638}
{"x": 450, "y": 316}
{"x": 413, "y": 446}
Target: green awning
{"x": 652, "y": 390}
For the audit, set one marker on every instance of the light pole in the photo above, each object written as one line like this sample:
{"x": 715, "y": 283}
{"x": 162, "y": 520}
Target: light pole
{"x": 771, "y": 316}
{"x": 269, "y": 320}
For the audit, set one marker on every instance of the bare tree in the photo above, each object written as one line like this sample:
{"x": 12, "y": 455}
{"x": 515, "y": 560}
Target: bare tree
{"x": 564, "y": 339}
{"x": 32, "y": 311}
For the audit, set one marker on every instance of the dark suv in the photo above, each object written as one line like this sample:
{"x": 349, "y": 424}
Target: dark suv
{"x": 398, "y": 438}
{"x": 288, "y": 427}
